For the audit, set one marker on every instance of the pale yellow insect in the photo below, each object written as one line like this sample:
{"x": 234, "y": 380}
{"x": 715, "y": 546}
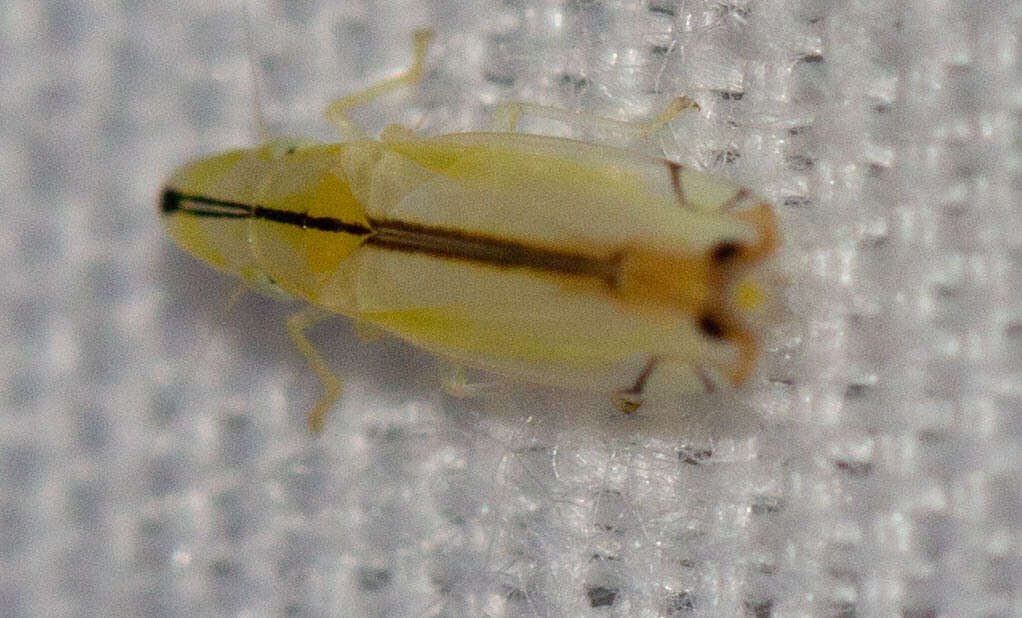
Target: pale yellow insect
{"x": 552, "y": 260}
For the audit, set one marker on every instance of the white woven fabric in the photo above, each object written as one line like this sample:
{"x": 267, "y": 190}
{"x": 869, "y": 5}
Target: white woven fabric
{"x": 153, "y": 454}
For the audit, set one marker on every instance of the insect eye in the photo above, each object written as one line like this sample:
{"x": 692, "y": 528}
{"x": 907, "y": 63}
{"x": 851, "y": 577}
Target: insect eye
{"x": 710, "y": 326}
{"x": 725, "y": 252}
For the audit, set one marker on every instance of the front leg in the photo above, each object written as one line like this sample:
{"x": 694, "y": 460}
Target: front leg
{"x": 337, "y": 112}
{"x": 662, "y": 379}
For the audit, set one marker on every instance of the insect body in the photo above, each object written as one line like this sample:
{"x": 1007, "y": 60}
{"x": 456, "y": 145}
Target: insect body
{"x": 548, "y": 259}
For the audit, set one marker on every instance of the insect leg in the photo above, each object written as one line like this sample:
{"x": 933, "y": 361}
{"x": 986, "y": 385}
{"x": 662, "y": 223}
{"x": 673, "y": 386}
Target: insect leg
{"x": 506, "y": 117}
{"x": 296, "y": 326}
{"x": 337, "y": 112}
{"x": 257, "y": 98}
{"x": 456, "y": 384}
{"x": 664, "y": 379}
{"x": 674, "y": 169}
{"x": 629, "y": 399}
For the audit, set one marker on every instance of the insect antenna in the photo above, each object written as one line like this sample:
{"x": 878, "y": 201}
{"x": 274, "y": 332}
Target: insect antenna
{"x": 257, "y": 95}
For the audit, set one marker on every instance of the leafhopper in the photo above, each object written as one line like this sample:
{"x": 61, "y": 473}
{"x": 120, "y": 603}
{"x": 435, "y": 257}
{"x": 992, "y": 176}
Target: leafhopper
{"x": 552, "y": 260}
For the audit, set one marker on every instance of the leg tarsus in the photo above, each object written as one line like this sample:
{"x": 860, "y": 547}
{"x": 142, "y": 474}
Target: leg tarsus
{"x": 663, "y": 379}
{"x": 629, "y": 399}
{"x": 296, "y": 326}
{"x": 505, "y": 118}
{"x": 235, "y": 297}
{"x": 455, "y": 383}
{"x": 675, "y": 107}
{"x": 337, "y": 112}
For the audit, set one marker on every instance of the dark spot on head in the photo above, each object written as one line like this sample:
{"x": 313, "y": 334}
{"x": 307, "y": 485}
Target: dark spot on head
{"x": 724, "y": 252}
{"x": 170, "y": 200}
{"x": 292, "y": 149}
{"x": 711, "y": 326}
